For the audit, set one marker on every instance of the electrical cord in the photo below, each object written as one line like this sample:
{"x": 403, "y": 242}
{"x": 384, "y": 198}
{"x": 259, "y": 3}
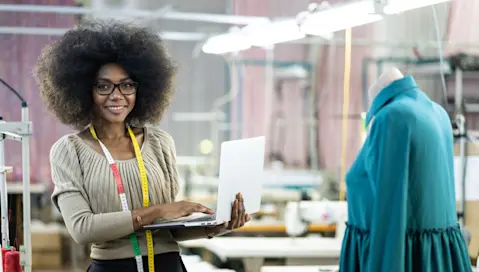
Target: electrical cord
{"x": 441, "y": 56}
{"x": 444, "y": 89}
{"x": 24, "y": 102}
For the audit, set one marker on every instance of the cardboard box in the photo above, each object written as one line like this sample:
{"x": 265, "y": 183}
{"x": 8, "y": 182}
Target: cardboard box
{"x": 47, "y": 260}
{"x": 472, "y": 149}
{"x": 46, "y": 241}
{"x": 47, "y": 250}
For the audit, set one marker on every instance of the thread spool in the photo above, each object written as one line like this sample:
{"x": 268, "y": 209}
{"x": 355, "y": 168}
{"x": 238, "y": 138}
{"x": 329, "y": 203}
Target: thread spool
{"x": 12, "y": 262}
{"x": 4, "y": 253}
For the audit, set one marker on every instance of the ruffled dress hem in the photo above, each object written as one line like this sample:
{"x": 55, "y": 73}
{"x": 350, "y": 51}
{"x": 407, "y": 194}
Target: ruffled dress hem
{"x": 430, "y": 250}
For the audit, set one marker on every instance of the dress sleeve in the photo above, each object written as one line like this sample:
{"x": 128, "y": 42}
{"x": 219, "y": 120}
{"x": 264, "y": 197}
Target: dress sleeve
{"x": 73, "y": 203}
{"x": 164, "y": 147}
{"x": 387, "y": 165}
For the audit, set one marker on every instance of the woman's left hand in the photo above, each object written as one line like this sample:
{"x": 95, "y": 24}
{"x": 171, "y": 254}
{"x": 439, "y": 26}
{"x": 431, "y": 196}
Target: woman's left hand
{"x": 238, "y": 218}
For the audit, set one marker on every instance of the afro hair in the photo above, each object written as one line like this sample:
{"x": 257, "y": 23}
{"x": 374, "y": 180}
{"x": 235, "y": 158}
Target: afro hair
{"x": 67, "y": 69}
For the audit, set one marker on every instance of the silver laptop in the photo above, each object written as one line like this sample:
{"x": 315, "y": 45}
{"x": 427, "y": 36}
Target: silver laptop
{"x": 241, "y": 171}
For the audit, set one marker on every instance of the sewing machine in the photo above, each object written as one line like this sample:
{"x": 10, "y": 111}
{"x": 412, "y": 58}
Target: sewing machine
{"x": 300, "y": 214}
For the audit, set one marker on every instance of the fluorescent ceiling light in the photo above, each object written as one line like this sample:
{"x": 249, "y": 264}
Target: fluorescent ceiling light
{"x": 339, "y": 18}
{"x": 319, "y": 23}
{"x": 226, "y": 43}
{"x": 270, "y": 33}
{"x": 398, "y": 6}
{"x": 258, "y": 34}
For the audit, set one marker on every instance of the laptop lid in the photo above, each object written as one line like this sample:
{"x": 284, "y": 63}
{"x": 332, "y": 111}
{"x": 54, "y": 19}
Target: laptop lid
{"x": 240, "y": 171}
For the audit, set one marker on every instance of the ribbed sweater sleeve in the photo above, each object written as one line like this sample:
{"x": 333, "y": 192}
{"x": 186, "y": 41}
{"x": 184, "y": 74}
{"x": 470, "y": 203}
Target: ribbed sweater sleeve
{"x": 179, "y": 234}
{"x": 70, "y": 198}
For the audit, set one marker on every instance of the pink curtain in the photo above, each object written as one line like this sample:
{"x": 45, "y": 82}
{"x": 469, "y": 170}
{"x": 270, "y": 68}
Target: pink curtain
{"x": 18, "y": 54}
{"x": 293, "y": 142}
{"x": 290, "y": 144}
{"x": 462, "y": 14}
{"x": 330, "y": 104}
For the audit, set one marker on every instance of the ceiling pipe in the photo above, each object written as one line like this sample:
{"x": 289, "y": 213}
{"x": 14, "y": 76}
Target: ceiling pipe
{"x": 171, "y": 36}
{"x": 213, "y": 18}
{"x": 169, "y": 14}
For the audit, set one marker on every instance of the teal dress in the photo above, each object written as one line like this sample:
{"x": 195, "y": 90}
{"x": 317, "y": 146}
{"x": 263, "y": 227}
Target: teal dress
{"x": 401, "y": 196}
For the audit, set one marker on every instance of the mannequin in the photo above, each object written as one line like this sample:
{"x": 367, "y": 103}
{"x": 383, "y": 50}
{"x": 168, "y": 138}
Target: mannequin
{"x": 389, "y": 76}
{"x": 401, "y": 194}
{"x": 386, "y": 78}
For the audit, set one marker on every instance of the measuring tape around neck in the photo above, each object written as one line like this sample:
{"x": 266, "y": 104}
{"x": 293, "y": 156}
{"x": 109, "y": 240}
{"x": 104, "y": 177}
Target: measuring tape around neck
{"x": 124, "y": 202}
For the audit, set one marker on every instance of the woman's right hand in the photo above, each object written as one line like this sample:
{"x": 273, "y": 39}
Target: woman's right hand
{"x": 182, "y": 208}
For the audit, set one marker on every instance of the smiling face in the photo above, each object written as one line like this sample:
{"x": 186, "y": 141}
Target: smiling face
{"x": 114, "y": 94}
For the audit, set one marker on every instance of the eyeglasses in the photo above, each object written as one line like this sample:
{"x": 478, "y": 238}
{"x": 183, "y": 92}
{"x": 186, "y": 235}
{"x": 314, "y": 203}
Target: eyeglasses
{"x": 107, "y": 88}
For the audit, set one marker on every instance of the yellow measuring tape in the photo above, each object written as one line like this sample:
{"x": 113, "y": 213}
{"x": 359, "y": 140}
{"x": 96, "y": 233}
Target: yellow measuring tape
{"x": 346, "y": 90}
{"x": 146, "y": 199}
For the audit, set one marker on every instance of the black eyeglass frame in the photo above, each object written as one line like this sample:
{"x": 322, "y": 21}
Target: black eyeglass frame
{"x": 117, "y": 86}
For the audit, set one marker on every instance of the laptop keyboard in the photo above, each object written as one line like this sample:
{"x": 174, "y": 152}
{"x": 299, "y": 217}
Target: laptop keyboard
{"x": 210, "y": 217}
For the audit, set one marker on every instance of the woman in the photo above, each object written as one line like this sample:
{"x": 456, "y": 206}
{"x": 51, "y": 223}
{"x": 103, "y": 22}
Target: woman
{"x": 109, "y": 80}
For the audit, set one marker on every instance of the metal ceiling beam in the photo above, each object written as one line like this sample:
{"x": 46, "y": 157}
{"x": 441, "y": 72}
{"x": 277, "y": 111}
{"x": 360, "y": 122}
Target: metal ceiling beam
{"x": 171, "y": 36}
{"x": 387, "y": 43}
{"x": 213, "y": 18}
{"x": 170, "y": 14}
